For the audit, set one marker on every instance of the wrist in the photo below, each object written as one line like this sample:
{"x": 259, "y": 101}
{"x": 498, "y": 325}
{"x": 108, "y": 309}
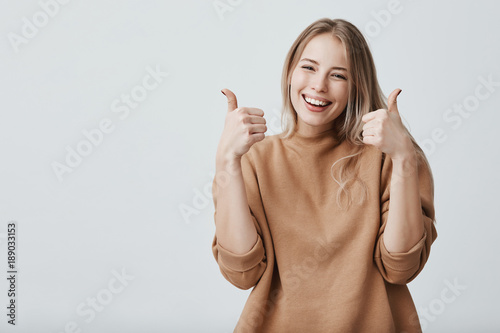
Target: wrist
{"x": 228, "y": 163}
{"x": 405, "y": 158}
{"x": 405, "y": 165}
{"x": 406, "y": 153}
{"x": 225, "y": 158}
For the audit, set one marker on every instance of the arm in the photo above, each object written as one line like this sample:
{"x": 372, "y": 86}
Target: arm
{"x": 407, "y": 220}
{"x": 404, "y": 222}
{"x": 237, "y": 246}
{"x": 234, "y": 226}
{"x": 407, "y": 227}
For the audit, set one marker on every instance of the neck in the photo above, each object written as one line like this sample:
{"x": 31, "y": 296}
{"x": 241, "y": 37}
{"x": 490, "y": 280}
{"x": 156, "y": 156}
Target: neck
{"x": 313, "y": 138}
{"x": 311, "y": 131}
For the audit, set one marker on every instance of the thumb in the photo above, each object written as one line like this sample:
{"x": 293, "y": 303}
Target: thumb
{"x": 232, "y": 102}
{"x": 392, "y": 101}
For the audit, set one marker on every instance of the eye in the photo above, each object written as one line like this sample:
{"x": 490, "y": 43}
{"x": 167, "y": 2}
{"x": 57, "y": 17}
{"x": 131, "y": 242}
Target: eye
{"x": 307, "y": 67}
{"x": 339, "y": 76}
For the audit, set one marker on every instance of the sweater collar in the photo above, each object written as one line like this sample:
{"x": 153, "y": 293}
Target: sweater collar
{"x": 323, "y": 138}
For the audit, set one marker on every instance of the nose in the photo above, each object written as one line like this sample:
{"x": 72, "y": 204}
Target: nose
{"x": 319, "y": 84}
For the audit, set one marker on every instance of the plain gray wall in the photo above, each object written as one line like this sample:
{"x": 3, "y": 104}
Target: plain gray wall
{"x": 118, "y": 212}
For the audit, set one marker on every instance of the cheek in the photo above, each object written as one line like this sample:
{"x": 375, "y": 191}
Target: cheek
{"x": 297, "y": 85}
{"x": 341, "y": 92}
{"x": 298, "y": 79}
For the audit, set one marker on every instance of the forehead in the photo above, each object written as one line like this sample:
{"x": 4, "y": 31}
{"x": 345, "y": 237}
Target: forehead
{"x": 326, "y": 49}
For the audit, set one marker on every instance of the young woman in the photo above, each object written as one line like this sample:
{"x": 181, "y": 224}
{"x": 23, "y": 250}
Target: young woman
{"x": 329, "y": 220}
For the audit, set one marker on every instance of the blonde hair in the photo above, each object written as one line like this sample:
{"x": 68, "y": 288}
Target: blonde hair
{"x": 364, "y": 95}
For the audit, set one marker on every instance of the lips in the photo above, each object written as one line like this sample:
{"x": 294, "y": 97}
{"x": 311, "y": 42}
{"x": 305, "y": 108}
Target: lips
{"x": 315, "y": 99}
{"x": 315, "y": 108}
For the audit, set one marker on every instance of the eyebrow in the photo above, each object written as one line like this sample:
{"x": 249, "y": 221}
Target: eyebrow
{"x": 317, "y": 63}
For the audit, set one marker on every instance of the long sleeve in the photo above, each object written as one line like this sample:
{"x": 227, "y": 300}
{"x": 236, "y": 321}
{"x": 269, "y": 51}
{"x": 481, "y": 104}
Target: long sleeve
{"x": 403, "y": 267}
{"x": 243, "y": 270}
{"x": 316, "y": 266}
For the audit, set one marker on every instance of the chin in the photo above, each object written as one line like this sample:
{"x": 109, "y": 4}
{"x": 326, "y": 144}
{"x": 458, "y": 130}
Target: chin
{"x": 315, "y": 119}
{"x": 314, "y": 122}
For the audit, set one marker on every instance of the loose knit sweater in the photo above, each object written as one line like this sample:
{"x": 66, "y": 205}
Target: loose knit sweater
{"x": 314, "y": 266}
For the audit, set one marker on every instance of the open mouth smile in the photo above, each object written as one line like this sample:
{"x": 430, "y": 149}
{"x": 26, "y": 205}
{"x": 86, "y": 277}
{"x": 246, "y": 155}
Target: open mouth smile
{"x": 315, "y": 105}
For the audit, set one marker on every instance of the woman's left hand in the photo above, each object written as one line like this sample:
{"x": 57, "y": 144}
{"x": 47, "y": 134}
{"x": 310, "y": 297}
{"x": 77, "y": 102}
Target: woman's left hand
{"x": 384, "y": 129}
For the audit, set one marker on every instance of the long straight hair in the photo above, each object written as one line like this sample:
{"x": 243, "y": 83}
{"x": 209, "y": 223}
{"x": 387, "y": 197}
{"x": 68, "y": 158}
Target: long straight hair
{"x": 364, "y": 95}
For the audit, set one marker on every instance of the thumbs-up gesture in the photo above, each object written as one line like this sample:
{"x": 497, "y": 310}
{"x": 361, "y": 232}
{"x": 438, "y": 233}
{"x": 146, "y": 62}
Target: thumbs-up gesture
{"x": 244, "y": 126}
{"x": 385, "y": 130}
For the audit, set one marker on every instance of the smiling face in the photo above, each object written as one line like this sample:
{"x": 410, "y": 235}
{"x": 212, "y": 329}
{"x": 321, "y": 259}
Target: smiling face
{"x": 319, "y": 88}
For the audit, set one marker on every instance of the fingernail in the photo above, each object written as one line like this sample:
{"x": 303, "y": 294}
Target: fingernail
{"x": 223, "y": 93}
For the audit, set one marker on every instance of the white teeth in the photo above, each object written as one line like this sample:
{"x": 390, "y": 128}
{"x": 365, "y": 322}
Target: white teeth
{"x": 315, "y": 102}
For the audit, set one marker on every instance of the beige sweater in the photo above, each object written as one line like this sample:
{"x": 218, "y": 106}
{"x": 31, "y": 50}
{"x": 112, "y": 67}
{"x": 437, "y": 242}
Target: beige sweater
{"x": 314, "y": 267}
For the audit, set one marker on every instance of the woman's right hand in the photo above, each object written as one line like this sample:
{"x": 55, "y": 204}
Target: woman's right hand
{"x": 244, "y": 126}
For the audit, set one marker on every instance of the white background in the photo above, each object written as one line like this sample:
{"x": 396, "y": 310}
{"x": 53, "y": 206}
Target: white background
{"x": 120, "y": 208}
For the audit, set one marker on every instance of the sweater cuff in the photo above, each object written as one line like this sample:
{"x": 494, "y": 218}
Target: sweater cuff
{"x": 403, "y": 261}
{"x": 242, "y": 262}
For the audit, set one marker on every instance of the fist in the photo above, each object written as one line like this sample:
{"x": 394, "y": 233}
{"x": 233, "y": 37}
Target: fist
{"x": 384, "y": 129}
{"x": 243, "y": 127}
